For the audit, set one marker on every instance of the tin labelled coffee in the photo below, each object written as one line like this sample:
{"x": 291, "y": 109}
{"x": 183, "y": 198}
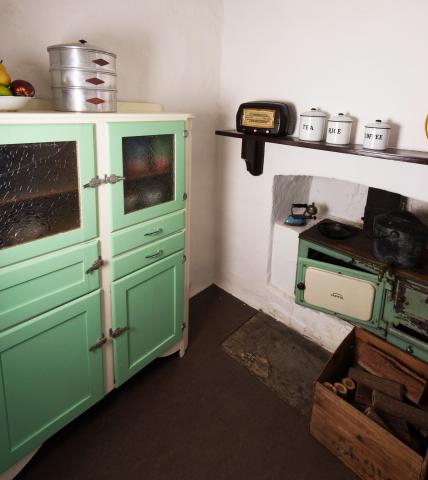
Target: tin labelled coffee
{"x": 312, "y": 125}
{"x": 376, "y": 135}
{"x": 339, "y": 129}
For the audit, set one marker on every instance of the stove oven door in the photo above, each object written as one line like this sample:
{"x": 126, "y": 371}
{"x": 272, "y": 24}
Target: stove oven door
{"x": 353, "y": 295}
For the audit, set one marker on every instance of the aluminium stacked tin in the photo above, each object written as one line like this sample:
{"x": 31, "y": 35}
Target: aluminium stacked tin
{"x": 83, "y": 78}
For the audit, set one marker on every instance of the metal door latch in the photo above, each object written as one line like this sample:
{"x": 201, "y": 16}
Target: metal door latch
{"x": 185, "y": 133}
{"x": 113, "y": 178}
{"x": 183, "y": 326}
{"x": 184, "y": 196}
{"x": 99, "y": 344}
{"x": 118, "y": 331}
{"x": 96, "y": 265}
{"x": 94, "y": 182}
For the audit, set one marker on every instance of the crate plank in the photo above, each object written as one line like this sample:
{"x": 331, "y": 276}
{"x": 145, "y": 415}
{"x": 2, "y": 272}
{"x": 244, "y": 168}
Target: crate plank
{"x": 359, "y": 442}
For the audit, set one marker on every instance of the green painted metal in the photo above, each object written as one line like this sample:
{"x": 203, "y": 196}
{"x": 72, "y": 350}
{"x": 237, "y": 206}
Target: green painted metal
{"x": 84, "y": 136}
{"x": 132, "y": 129}
{"x": 141, "y": 257}
{"x": 38, "y": 285}
{"x": 150, "y": 303}
{"x": 147, "y": 232}
{"x": 48, "y": 376}
{"x": 408, "y": 343}
{"x": 305, "y": 246}
{"x": 375, "y": 324}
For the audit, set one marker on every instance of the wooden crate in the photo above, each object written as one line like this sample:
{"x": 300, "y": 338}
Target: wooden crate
{"x": 365, "y": 447}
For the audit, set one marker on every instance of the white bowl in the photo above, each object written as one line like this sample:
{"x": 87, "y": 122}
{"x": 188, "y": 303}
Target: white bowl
{"x": 11, "y": 103}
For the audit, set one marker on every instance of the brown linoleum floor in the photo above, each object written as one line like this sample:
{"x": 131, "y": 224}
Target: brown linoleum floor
{"x": 202, "y": 417}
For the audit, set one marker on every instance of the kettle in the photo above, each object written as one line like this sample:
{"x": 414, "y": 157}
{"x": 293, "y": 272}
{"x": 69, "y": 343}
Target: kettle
{"x": 399, "y": 238}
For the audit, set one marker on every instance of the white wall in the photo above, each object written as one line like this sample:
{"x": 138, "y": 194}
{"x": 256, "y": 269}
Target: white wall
{"x": 364, "y": 58}
{"x": 168, "y": 52}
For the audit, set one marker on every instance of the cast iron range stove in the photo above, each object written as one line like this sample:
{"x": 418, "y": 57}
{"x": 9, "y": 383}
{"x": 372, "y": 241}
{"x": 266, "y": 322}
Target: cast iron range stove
{"x": 338, "y": 274}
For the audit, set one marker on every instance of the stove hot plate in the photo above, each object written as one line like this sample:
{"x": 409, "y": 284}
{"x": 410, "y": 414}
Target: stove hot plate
{"x": 336, "y": 230}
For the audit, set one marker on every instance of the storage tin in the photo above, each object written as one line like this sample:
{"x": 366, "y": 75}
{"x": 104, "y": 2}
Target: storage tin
{"x": 83, "y": 78}
{"x": 312, "y": 125}
{"x": 339, "y": 129}
{"x": 79, "y": 77}
{"x": 81, "y": 55}
{"x": 75, "y": 99}
{"x": 376, "y": 135}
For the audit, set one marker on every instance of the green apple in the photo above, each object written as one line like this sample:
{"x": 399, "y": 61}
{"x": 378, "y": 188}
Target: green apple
{"x": 4, "y": 91}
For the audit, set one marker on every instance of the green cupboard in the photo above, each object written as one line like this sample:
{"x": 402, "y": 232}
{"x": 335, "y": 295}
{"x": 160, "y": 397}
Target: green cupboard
{"x": 93, "y": 284}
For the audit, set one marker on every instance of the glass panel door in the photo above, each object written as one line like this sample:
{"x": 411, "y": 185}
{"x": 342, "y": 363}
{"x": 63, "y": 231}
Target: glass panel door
{"x": 150, "y": 157}
{"x": 42, "y": 204}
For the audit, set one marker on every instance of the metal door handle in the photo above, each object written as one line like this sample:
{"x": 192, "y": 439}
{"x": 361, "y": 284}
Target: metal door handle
{"x": 113, "y": 178}
{"x": 155, "y": 255}
{"x": 118, "y": 331}
{"x": 96, "y": 265}
{"x": 99, "y": 344}
{"x": 155, "y": 232}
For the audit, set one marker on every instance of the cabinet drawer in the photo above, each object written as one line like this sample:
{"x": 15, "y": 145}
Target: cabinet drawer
{"x": 143, "y": 256}
{"x": 36, "y": 286}
{"x": 409, "y": 343}
{"x": 48, "y": 375}
{"x": 147, "y": 232}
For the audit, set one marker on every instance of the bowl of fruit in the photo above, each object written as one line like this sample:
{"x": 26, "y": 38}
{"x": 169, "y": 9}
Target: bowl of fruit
{"x": 13, "y": 94}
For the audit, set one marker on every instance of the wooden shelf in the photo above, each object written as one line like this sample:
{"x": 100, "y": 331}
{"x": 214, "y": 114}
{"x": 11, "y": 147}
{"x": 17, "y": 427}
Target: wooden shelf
{"x": 36, "y": 196}
{"x": 253, "y": 149}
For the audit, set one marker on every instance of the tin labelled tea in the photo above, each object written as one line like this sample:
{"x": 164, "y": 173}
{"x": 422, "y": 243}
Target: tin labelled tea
{"x": 312, "y": 125}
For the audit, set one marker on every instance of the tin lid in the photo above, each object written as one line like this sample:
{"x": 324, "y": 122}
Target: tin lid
{"x": 313, "y": 112}
{"x": 81, "y": 45}
{"x": 379, "y": 124}
{"x": 340, "y": 117}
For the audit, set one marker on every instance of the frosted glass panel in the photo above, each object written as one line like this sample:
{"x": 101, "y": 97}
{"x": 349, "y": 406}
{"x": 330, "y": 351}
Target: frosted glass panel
{"x": 39, "y": 193}
{"x": 148, "y": 166}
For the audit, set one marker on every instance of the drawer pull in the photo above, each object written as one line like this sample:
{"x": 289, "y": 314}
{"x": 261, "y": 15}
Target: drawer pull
{"x": 155, "y": 232}
{"x": 409, "y": 349}
{"x": 155, "y": 255}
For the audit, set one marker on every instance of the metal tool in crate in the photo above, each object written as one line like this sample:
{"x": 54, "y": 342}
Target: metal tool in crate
{"x": 83, "y": 78}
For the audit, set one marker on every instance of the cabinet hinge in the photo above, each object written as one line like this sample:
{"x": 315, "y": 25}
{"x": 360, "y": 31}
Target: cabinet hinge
{"x": 185, "y": 133}
{"x": 118, "y": 331}
{"x": 94, "y": 182}
{"x": 184, "y": 258}
{"x": 183, "y": 326}
{"x": 184, "y": 196}
{"x": 99, "y": 344}
{"x": 113, "y": 178}
{"x": 96, "y": 265}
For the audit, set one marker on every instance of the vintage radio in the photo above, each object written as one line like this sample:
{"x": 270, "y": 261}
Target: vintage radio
{"x": 266, "y": 118}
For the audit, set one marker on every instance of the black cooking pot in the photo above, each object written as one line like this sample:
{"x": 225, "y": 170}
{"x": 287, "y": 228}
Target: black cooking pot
{"x": 399, "y": 238}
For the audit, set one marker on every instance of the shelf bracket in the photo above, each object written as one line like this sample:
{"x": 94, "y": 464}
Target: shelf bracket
{"x": 253, "y": 152}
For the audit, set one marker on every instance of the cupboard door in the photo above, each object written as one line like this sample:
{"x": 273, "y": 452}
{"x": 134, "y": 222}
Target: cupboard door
{"x": 150, "y": 157}
{"x": 147, "y": 314}
{"x": 43, "y": 205}
{"x": 48, "y": 376}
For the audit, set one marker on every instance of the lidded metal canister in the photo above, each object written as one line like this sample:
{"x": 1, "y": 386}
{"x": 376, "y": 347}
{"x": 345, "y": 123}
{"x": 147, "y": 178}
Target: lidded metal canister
{"x": 312, "y": 125}
{"x": 83, "y": 77}
{"x": 376, "y": 135}
{"x": 339, "y": 129}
